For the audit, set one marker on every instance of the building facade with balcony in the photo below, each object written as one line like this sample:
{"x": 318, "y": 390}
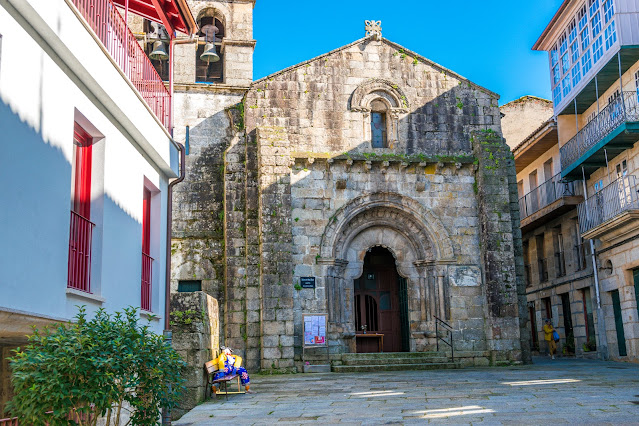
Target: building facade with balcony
{"x": 558, "y": 271}
{"x": 594, "y": 68}
{"x": 87, "y": 161}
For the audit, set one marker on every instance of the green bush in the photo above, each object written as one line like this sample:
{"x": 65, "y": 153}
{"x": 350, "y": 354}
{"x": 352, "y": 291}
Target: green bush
{"x": 105, "y": 365}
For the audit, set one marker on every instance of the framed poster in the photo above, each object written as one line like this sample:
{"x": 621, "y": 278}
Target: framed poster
{"x": 314, "y": 329}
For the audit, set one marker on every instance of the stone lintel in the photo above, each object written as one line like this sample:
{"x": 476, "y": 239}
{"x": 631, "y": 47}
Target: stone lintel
{"x": 209, "y": 88}
{"x": 230, "y": 42}
{"x": 331, "y": 261}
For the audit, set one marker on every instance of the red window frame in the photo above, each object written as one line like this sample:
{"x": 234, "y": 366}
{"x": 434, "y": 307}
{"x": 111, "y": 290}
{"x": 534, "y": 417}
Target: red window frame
{"x": 147, "y": 260}
{"x": 81, "y": 228}
{"x": 82, "y": 177}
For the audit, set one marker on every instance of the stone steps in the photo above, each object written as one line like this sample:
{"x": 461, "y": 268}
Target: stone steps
{"x": 393, "y": 355}
{"x": 405, "y": 361}
{"x": 399, "y": 361}
{"x": 394, "y": 367}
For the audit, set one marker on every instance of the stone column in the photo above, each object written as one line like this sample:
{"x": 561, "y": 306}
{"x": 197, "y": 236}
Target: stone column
{"x": 339, "y": 316}
{"x": 494, "y": 164}
{"x": 276, "y": 241}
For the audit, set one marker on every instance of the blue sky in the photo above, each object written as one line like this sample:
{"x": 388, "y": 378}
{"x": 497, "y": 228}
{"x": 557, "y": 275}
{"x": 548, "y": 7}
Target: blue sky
{"x": 488, "y": 42}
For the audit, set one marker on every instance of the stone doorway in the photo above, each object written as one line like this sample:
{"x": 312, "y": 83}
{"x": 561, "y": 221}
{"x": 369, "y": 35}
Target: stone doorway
{"x": 380, "y": 304}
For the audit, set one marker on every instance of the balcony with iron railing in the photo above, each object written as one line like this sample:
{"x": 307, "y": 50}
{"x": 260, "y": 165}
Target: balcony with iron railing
{"x": 147, "y": 269}
{"x": 80, "y": 241}
{"x": 549, "y": 200}
{"x": 615, "y": 128}
{"x": 611, "y": 213}
{"x": 110, "y": 27}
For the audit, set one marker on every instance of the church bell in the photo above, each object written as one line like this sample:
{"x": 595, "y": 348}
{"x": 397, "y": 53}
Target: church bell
{"x": 159, "y": 52}
{"x": 209, "y": 55}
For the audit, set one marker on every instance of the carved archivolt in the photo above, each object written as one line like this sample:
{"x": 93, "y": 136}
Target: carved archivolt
{"x": 427, "y": 235}
{"x": 379, "y": 89}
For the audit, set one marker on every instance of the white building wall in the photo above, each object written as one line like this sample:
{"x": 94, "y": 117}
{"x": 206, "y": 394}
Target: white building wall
{"x": 42, "y": 93}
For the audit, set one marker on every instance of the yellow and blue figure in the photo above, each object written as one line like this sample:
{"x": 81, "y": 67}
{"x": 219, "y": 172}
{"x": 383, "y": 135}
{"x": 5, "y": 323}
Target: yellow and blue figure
{"x": 229, "y": 364}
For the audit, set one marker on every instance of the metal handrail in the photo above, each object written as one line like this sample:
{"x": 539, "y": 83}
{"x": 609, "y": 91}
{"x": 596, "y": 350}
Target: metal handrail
{"x": 9, "y": 422}
{"x": 449, "y": 331}
{"x": 616, "y": 198}
{"x": 547, "y": 193}
{"x": 621, "y": 109}
{"x": 109, "y": 26}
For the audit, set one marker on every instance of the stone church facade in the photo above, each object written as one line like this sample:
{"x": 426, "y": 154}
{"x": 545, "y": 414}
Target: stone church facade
{"x": 370, "y": 169}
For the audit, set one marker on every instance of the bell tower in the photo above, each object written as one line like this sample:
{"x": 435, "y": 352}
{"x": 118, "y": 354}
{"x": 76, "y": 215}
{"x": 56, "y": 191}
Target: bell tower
{"x": 223, "y": 52}
{"x": 212, "y": 73}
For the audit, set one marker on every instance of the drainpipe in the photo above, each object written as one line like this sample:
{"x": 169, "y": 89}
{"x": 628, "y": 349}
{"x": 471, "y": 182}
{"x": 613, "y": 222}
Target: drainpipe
{"x": 168, "y": 335}
{"x": 602, "y": 348}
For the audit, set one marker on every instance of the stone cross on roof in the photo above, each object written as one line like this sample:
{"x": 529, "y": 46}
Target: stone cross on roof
{"x": 374, "y": 28}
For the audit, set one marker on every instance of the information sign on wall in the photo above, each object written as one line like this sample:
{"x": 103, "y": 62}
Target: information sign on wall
{"x": 307, "y": 282}
{"x": 315, "y": 329}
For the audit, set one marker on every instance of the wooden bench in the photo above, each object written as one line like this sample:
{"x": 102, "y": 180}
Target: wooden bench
{"x": 211, "y": 369}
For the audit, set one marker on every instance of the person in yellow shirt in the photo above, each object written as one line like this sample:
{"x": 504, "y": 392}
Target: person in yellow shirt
{"x": 552, "y": 345}
{"x": 228, "y": 364}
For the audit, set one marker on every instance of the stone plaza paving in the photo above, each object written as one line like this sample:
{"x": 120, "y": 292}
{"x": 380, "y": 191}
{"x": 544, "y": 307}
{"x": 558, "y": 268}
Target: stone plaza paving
{"x": 563, "y": 391}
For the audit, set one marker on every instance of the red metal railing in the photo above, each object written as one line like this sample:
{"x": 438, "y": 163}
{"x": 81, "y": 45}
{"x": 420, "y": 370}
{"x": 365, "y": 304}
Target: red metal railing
{"x": 9, "y": 422}
{"x": 80, "y": 237}
{"x": 147, "y": 266}
{"x": 105, "y": 19}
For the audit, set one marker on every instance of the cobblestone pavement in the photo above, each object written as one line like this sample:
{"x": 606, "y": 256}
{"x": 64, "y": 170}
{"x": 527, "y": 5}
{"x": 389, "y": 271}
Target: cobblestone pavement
{"x": 563, "y": 391}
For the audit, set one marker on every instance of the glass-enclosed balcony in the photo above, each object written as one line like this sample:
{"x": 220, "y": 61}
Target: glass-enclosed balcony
{"x": 549, "y": 200}
{"x": 611, "y": 212}
{"x": 614, "y": 129}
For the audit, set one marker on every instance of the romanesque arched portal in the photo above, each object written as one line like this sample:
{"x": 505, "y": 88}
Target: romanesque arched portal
{"x": 419, "y": 243}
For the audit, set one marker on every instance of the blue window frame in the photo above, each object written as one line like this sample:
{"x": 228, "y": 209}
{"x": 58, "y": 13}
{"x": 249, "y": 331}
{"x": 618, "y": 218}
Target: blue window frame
{"x": 585, "y": 39}
{"x": 556, "y": 94}
{"x": 565, "y": 63}
{"x": 611, "y": 35}
{"x": 563, "y": 44}
{"x": 565, "y": 86}
{"x": 574, "y": 52}
{"x": 554, "y": 57}
{"x": 582, "y": 17}
{"x": 597, "y": 49}
{"x": 378, "y": 130}
{"x": 595, "y": 23}
{"x": 556, "y": 76}
{"x": 609, "y": 10}
{"x": 586, "y": 62}
{"x": 576, "y": 74}
{"x": 572, "y": 32}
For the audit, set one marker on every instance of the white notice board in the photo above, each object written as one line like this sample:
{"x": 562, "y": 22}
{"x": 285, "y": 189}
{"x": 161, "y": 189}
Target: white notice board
{"x": 315, "y": 330}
